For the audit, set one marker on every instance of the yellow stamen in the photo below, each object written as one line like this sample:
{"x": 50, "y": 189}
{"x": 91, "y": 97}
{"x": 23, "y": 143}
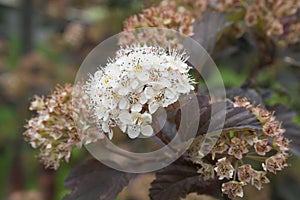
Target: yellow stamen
{"x": 138, "y": 68}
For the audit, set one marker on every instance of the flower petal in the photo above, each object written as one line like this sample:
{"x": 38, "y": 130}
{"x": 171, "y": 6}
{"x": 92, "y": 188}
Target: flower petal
{"x": 124, "y": 103}
{"x": 169, "y": 94}
{"x": 134, "y": 84}
{"x": 133, "y": 132}
{"x": 143, "y": 76}
{"x": 106, "y": 116}
{"x": 147, "y": 130}
{"x": 105, "y": 127}
{"x": 136, "y": 107}
{"x": 147, "y": 118}
{"x": 143, "y": 98}
{"x": 149, "y": 92}
{"x": 110, "y": 134}
{"x": 153, "y": 106}
{"x": 125, "y": 117}
{"x": 123, "y": 91}
{"x": 123, "y": 127}
{"x": 183, "y": 88}
{"x": 165, "y": 82}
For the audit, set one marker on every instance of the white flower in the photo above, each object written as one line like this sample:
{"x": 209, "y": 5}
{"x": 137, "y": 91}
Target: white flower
{"x": 134, "y": 85}
{"x": 137, "y": 123}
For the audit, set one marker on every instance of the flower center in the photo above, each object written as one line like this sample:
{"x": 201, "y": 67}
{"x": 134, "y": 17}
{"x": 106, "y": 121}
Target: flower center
{"x": 138, "y": 68}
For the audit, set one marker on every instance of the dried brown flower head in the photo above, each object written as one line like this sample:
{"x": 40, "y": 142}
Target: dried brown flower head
{"x": 206, "y": 171}
{"x": 258, "y": 179}
{"x": 224, "y": 168}
{"x": 275, "y": 163}
{"x": 53, "y": 129}
{"x": 251, "y": 17}
{"x": 232, "y": 152}
{"x": 233, "y": 189}
{"x": 168, "y": 14}
{"x": 261, "y": 147}
{"x": 238, "y": 148}
{"x": 245, "y": 172}
{"x": 272, "y": 19}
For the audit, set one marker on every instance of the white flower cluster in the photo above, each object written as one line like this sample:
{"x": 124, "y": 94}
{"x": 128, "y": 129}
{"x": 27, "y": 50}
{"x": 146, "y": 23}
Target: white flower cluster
{"x": 130, "y": 88}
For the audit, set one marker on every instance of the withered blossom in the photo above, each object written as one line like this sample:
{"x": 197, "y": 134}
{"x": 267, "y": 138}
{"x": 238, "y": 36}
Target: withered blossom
{"x": 242, "y": 102}
{"x": 263, "y": 115}
{"x": 220, "y": 147}
{"x": 273, "y": 14}
{"x": 224, "y": 169}
{"x": 201, "y": 5}
{"x": 233, "y": 189}
{"x": 245, "y": 173}
{"x": 258, "y": 179}
{"x": 234, "y": 148}
{"x": 237, "y": 148}
{"x": 273, "y": 128}
{"x": 206, "y": 171}
{"x": 275, "y": 29}
{"x": 262, "y": 147}
{"x": 250, "y": 138}
{"x": 275, "y": 20}
{"x": 276, "y": 163}
{"x": 53, "y": 129}
{"x": 38, "y": 103}
{"x": 54, "y": 137}
{"x": 166, "y": 15}
{"x": 225, "y": 5}
{"x": 294, "y": 33}
{"x": 282, "y": 143}
{"x": 251, "y": 16}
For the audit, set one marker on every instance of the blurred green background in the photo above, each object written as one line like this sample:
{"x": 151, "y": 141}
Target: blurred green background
{"x": 43, "y": 42}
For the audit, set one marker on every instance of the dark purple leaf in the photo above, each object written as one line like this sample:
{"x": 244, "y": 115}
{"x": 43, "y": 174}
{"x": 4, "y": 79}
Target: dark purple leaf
{"x": 194, "y": 118}
{"x": 286, "y": 187}
{"x": 282, "y": 112}
{"x": 235, "y": 117}
{"x": 179, "y": 179}
{"x": 253, "y": 96}
{"x": 207, "y": 29}
{"x": 93, "y": 180}
{"x": 240, "y": 118}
